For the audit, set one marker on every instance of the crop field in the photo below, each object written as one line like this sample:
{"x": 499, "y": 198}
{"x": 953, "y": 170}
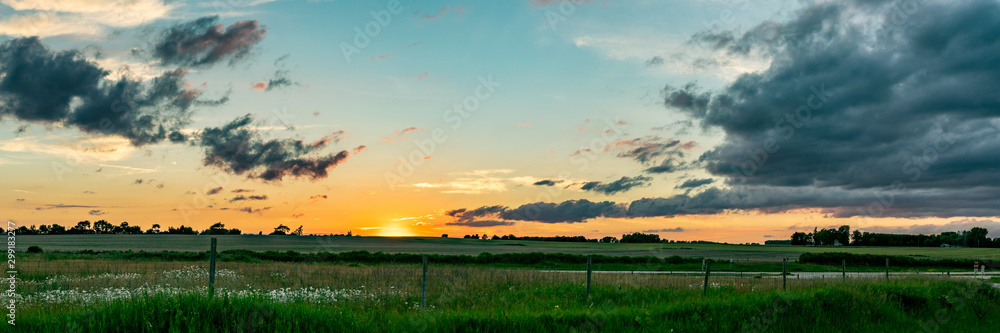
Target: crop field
{"x": 318, "y": 284}
{"x": 453, "y": 246}
{"x": 111, "y": 295}
{"x": 80, "y": 292}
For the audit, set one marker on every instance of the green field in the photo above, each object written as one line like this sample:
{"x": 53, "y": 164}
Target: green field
{"x": 453, "y": 246}
{"x": 280, "y": 291}
{"x": 111, "y": 296}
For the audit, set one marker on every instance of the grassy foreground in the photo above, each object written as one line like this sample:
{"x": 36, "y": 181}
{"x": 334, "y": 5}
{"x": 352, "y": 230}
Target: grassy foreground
{"x": 912, "y": 305}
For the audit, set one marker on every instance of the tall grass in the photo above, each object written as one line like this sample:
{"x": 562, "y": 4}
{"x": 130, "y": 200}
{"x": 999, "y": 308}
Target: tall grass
{"x": 171, "y": 297}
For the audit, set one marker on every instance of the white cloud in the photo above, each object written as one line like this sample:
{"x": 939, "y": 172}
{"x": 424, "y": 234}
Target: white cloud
{"x": 79, "y": 17}
{"x": 80, "y": 150}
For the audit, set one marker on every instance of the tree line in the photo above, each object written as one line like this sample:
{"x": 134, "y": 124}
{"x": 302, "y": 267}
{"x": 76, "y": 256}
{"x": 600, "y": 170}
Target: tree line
{"x": 976, "y": 237}
{"x": 124, "y": 228}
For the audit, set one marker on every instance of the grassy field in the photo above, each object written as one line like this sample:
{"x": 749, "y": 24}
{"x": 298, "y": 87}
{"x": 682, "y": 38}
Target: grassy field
{"x": 439, "y": 245}
{"x": 111, "y": 296}
{"x": 79, "y": 292}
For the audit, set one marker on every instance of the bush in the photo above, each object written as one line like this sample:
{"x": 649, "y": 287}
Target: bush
{"x": 34, "y": 249}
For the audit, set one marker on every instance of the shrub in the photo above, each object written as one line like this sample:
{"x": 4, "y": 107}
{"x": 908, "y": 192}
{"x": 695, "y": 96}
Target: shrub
{"x": 34, "y": 249}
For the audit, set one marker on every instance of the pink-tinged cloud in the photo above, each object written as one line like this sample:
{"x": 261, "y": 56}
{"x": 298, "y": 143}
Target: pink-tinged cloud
{"x": 407, "y": 130}
{"x": 421, "y": 76}
{"x": 358, "y": 149}
{"x": 524, "y": 125}
{"x": 260, "y": 86}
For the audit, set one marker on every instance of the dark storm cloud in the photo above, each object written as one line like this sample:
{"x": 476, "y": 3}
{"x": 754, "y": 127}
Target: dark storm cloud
{"x": 97, "y": 212}
{"x": 570, "y": 211}
{"x": 204, "y": 42}
{"x": 547, "y": 182}
{"x": 906, "y": 100}
{"x": 241, "y": 190}
{"x": 665, "y": 155}
{"x": 481, "y": 223}
{"x": 644, "y": 150}
{"x": 239, "y": 150}
{"x": 252, "y": 197}
{"x": 668, "y": 165}
{"x": 677, "y": 229}
{"x": 250, "y": 210}
{"x": 57, "y": 206}
{"x": 62, "y": 87}
{"x": 692, "y": 183}
{"x": 621, "y": 185}
{"x": 464, "y": 216}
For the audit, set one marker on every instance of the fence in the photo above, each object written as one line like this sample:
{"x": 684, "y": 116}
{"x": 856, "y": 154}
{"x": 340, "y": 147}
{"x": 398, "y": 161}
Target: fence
{"x": 422, "y": 284}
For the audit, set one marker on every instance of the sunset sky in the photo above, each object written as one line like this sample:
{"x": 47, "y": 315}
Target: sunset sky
{"x": 735, "y": 121}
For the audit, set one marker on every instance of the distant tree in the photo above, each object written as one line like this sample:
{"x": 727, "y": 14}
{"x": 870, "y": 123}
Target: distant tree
{"x": 444, "y": 235}
{"x": 495, "y": 237}
{"x": 182, "y": 230}
{"x": 103, "y": 227}
{"x": 298, "y": 231}
{"x": 216, "y": 229}
{"x": 281, "y": 230}
{"x": 638, "y": 237}
{"x": 800, "y": 238}
{"x": 235, "y": 231}
{"x": 82, "y": 227}
{"x": 609, "y": 239}
{"x": 857, "y": 237}
{"x": 57, "y": 230}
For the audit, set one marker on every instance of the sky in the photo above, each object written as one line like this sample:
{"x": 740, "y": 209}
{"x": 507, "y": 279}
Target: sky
{"x": 730, "y": 121}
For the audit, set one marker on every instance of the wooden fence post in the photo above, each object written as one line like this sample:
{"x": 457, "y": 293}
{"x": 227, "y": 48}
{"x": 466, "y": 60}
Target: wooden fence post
{"x": 784, "y": 274}
{"x": 589, "y": 261}
{"x": 708, "y": 269}
{"x": 843, "y": 269}
{"x": 423, "y": 286}
{"x": 211, "y": 270}
{"x": 887, "y": 269}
